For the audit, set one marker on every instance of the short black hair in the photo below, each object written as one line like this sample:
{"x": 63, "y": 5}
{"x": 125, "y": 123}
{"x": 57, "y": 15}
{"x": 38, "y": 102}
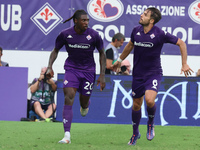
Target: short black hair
{"x": 155, "y": 14}
{"x": 118, "y": 36}
{"x": 1, "y": 49}
{"x": 76, "y": 15}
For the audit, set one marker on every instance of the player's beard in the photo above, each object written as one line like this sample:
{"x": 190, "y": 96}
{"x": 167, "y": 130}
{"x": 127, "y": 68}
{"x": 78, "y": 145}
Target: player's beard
{"x": 145, "y": 23}
{"x": 81, "y": 29}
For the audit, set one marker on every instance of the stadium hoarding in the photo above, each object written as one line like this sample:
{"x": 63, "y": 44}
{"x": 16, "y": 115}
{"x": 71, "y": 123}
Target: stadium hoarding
{"x": 13, "y": 93}
{"x": 34, "y": 25}
{"x": 178, "y": 102}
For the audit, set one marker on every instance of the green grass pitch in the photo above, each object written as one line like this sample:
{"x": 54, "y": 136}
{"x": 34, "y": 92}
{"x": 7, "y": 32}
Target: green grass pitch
{"x": 84, "y": 136}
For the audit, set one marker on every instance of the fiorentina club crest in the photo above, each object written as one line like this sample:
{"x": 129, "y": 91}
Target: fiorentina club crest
{"x": 105, "y": 10}
{"x": 194, "y": 11}
{"x": 46, "y": 18}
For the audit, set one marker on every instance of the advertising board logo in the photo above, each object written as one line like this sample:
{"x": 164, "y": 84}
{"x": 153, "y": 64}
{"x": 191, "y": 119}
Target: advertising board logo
{"x": 105, "y": 10}
{"x": 46, "y": 18}
{"x": 194, "y": 11}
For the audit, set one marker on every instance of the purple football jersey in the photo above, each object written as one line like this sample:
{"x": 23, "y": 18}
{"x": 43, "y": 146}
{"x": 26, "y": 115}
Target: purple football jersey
{"x": 147, "y": 50}
{"x": 80, "y": 48}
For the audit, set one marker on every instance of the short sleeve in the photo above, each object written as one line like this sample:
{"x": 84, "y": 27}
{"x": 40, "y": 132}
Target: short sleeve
{"x": 132, "y": 35}
{"x": 169, "y": 38}
{"x": 60, "y": 41}
{"x": 99, "y": 42}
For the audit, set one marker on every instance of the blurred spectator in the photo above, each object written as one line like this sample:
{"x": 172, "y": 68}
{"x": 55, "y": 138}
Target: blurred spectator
{"x": 42, "y": 94}
{"x": 112, "y": 52}
{"x": 2, "y": 63}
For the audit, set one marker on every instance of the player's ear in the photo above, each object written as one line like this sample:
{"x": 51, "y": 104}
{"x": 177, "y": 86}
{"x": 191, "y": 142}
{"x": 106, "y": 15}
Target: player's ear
{"x": 152, "y": 21}
{"x": 75, "y": 21}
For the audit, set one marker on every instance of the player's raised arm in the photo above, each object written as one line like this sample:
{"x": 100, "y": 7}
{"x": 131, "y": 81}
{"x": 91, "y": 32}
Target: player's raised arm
{"x": 185, "y": 67}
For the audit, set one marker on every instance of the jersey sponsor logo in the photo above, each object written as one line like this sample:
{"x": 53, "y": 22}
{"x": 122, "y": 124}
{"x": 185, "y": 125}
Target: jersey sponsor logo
{"x": 105, "y": 10}
{"x": 46, "y": 18}
{"x": 194, "y": 11}
{"x": 82, "y": 46}
{"x": 143, "y": 44}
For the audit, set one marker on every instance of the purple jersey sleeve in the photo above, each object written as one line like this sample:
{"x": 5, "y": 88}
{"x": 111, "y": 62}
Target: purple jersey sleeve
{"x": 169, "y": 38}
{"x": 99, "y": 42}
{"x": 60, "y": 41}
{"x": 132, "y": 35}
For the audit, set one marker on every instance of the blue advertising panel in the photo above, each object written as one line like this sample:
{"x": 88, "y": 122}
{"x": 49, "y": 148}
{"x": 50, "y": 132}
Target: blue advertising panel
{"x": 178, "y": 102}
{"x": 34, "y": 25}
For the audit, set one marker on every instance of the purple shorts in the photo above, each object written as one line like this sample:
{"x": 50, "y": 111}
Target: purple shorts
{"x": 83, "y": 81}
{"x": 139, "y": 86}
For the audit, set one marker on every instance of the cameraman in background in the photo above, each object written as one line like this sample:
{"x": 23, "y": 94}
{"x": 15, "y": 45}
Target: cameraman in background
{"x": 125, "y": 68}
{"x": 42, "y": 96}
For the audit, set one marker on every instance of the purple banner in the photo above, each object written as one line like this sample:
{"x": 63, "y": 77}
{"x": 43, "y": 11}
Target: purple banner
{"x": 34, "y": 25}
{"x": 13, "y": 93}
{"x": 178, "y": 18}
{"x": 178, "y": 102}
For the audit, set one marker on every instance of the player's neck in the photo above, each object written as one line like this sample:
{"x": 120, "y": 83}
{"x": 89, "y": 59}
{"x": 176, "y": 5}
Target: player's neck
{"x": 78, "y": 31}
{"x": 147, "y": 28}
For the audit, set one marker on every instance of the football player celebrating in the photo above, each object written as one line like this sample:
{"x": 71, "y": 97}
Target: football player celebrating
{"x": 147, "y": 41}
{"x": 80, "y": 43}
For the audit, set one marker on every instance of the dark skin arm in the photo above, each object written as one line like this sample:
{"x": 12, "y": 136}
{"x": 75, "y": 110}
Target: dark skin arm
{"x": 102, "y": 60}
{"x": 52, "y": 58}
